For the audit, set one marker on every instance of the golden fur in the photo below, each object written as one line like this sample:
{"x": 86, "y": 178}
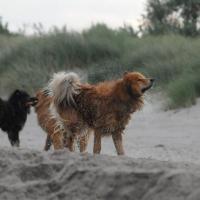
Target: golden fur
{"x": 105, "y": 107}
{"x": 49, "y": 123}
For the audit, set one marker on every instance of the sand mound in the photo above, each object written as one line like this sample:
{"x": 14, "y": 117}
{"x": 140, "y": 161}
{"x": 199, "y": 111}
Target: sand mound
{"x": 34, "y": 175}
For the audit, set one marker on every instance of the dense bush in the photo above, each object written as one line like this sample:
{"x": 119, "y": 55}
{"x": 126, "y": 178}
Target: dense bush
{"x": 103, "y": 53}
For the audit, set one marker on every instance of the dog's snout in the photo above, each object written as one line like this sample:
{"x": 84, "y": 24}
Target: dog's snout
{"x": 32, "y": 101}
{"x": 152, "y": 80}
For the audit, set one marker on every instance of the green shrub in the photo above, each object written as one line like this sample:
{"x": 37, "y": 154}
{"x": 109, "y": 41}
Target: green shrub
{"x": 103, "y": 53}
{"x": 182, "y": 92}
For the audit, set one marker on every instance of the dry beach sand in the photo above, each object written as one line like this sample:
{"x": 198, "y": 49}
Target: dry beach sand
{"x": 163, "y": 162}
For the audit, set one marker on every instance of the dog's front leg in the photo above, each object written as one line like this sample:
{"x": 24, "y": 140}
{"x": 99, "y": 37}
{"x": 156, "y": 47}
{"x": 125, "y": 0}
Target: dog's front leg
{"x": 117, "y": 139}
{"x": 97, "y": 143}
{"x": 57, "y": 140}
{"x": 47, "y": 143}
{"x": 70, "y": 142}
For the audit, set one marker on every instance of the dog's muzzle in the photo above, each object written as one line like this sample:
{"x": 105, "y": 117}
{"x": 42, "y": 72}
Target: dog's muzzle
{"x": 32, "y": 101}
{"x": 150, "y": 85}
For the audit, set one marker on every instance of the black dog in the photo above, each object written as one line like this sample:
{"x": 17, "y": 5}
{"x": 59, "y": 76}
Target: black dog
{"x": 13, "y": 114}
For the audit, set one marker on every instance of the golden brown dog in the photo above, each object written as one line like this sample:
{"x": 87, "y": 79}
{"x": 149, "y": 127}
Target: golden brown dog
{"x": 55, "y": 133}
{"x": 105, "y": 107}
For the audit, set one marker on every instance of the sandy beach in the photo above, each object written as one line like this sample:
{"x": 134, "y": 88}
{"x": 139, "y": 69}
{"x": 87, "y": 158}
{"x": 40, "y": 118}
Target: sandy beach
{"x": 152, "y": 133}
{"x": 162, "y": 161}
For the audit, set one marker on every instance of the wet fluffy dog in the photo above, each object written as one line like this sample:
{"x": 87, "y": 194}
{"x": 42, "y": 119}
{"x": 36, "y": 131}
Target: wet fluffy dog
{"x": 105, "y": 107}
{"x": 13, "y": 114}
{"x": 49, "y": 122}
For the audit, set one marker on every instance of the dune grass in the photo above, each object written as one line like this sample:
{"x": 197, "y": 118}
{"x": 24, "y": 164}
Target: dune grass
{"x": 102, "y": 53}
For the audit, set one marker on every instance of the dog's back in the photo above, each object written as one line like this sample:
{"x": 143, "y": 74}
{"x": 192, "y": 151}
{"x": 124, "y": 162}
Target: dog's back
{"x": 10, "y": 117}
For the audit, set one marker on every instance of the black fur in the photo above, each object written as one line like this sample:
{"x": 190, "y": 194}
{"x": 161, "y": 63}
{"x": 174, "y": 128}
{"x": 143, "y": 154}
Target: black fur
{"x": 13, "y": 114}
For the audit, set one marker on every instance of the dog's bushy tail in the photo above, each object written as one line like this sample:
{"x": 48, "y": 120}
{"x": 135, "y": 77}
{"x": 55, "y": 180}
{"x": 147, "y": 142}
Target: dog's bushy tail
{"x": 63, "y": 86}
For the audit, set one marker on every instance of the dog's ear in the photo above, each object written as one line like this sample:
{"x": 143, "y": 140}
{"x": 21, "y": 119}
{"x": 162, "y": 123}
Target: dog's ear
{"x": 125, "y": 73}
{"x": 16, "y": 91}
{"x": 129, "y": 89}
{"x": 126, "y": 83}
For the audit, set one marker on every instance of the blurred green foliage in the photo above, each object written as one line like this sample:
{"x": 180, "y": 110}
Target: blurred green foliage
{"x": 101, "y": 53}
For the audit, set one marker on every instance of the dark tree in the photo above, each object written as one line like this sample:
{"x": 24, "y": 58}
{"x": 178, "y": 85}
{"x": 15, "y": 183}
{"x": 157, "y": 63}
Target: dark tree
{"x": 190, "y": 13}
{"x": 174, "y": 16}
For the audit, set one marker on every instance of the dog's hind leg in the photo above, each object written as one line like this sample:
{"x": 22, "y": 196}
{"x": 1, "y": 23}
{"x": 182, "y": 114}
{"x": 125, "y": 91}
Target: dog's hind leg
{"x": 70, "y": 143}
{"x": 117, "y": 139}
{"x": 48, "y": 143}
{"x": 84, "y": 142}
{"x": 97, "y": 143}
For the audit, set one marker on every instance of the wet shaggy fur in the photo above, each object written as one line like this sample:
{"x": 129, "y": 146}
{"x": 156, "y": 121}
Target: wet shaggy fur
{"x": 50, "y": 123}
{"x": 13, "y": 114}
{"x": 105, "y": 108}
{"x": 46, "y": 121}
